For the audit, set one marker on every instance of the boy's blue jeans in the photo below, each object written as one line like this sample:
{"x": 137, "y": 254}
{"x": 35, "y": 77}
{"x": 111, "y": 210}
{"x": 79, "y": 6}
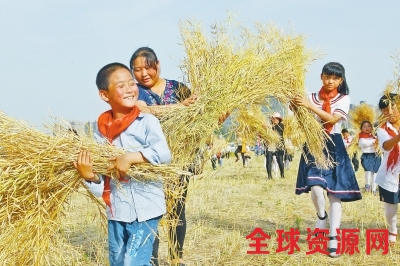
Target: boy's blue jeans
{"x": 131, "y": 243}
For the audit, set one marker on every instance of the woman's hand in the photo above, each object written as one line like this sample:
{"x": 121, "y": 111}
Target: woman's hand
{"x": 84, "y": 165}
{"x": 190, "y": 100}
{"x": 121, "y": 164}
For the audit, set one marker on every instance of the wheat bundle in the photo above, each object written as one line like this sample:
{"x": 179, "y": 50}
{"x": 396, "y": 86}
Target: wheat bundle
{"x": 251, "y": 122}
{"x": 217, "y": 145}
{"x": 293, "y": 132}
{"x": 229, "y": 72}
{"x": 37, "y": 176}
{"x": 362, "y": 112}
{"x": 395, "y": 84}
{"x": 392, "y": 86}
{"x": 359, "y": 114}
{"x": 353, "y": 147}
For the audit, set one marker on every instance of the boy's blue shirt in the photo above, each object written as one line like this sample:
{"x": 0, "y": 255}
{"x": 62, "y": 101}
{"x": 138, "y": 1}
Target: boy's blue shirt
{"x": 137, "y": 199}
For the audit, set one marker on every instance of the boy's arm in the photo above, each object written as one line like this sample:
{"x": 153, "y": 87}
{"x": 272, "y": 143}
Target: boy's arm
{"x": 122, "y": 163}
{"x": 387, "y": 142}
{"x": 156, "y": 150}
{"x": 83, "y": 165}
{"x": 97, "y": 189}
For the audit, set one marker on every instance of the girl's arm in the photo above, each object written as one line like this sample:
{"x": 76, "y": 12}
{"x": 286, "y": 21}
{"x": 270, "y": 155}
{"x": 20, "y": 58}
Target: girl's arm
{"x": 364, "y": 143}
{"x": 326, "y": 117}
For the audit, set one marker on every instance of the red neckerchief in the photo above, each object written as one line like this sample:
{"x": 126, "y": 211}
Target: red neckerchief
{"x": 394, "y": 153}
{"x": 365, "y": 135}
{"x": 111, "y": 129}
{"x": 326, "y": 106}
{"x": 347, "y": 140}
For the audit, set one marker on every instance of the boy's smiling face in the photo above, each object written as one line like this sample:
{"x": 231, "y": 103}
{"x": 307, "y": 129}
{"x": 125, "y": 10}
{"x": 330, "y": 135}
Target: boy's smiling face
{"x": 391, "y": 113}
{"x": 122, "y": 91}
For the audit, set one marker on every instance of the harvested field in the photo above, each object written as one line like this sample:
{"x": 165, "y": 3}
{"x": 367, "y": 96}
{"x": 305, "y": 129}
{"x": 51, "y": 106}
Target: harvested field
{"x": 225, "y": 205}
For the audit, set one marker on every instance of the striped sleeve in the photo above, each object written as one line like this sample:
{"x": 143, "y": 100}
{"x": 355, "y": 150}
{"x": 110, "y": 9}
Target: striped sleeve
{"x": 342, "y": 106}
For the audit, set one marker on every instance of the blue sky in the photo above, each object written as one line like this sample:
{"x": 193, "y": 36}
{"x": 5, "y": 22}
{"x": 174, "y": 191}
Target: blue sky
{"x": 50, "y": 51}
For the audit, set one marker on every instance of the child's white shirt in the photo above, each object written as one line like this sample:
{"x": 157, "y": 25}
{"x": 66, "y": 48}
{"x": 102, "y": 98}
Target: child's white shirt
{"x": 367, "y": 145}
{"x": 347, "y": 141}
{"x": 387, "y": 179}
{"x": 339, "y": 105}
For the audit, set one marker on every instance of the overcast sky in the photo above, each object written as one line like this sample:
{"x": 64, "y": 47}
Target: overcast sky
{"x": 50, "y": 51}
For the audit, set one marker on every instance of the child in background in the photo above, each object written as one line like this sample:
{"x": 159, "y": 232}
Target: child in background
{"x": 220, "y": 157}
{"x": 241, "y": 142}
{"x": 238, "y": 148}
{"x": 247, "y": 157}
{"x": 288, "y": 153}
{"x": 257, "y": 146}
{"x": 370, "y": 160}
{"x": 212, "y": 155}
{"x": 278, "y": 152}
{"x": 227, "y": 151}
{"x": 387, "y": 177}
{"x": 347, "y": 139}
{"x": 134, "y": 208}
{"x": 330, "y": 106}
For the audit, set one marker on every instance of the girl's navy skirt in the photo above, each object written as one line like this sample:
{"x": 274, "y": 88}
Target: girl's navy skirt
{"x": 388, "y": 196}
{"x": 339, "y": 180}
{"x": 371, "y": 162}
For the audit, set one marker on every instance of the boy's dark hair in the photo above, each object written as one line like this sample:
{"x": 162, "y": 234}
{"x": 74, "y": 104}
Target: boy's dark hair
{"x": 105, "y": 72}
{"x": 336, "y": 69}
{"x": 344, "y": 130}
{"x": 149, "y": 55}
{"x": 386, "y": 100}
{"x": 365, "y": 122}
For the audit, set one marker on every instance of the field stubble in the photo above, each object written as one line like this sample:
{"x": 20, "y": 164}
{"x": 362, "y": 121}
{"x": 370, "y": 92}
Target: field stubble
{"x": 227, "y": 204}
